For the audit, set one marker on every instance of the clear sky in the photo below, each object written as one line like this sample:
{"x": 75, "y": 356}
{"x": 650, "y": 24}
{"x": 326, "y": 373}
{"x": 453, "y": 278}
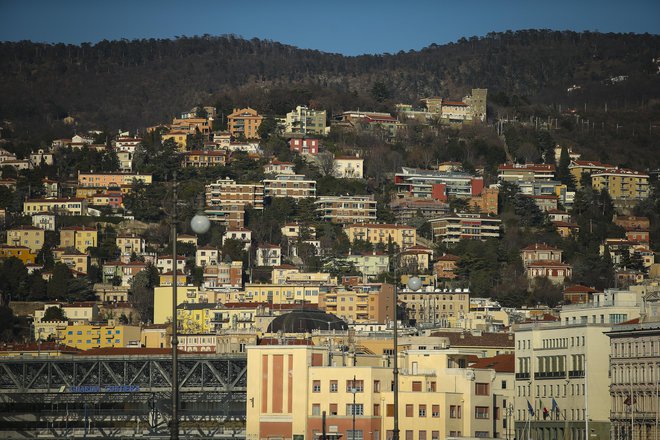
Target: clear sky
{"x": 348, "y": 27}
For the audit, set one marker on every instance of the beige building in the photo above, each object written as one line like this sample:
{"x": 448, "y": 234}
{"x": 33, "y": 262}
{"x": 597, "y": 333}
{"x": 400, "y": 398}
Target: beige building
{"x": 346, "y": 209}
{"x": 374, "y": 233}
{"x": 540, "y": 252}
{"x": 622, "y": 184}
{"x": 27, "y": 236}
{"x": 78, "y": 237}
{"x": 62, "y": 206}
{"x": 451, "y": 229}
{"x": 440, "y": 395}
{"x": 226, "y": 201}
{"x": 364, "y": 303}
{"x": 566, "y": 365}
{"x": 304, "y": 120}
{"x": 296, "y": 186}
{"x": 435, "y": 306}
{"x": 349, "y": 167}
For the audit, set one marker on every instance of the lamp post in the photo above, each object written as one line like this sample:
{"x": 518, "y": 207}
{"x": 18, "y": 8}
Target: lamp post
{"x": 200, "y": 224}
{"x": 414, "y": 283}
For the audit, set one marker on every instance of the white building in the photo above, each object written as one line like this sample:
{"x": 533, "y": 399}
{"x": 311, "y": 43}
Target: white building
{"x": 269, "y": 255}
{"x": 349, "y": 167}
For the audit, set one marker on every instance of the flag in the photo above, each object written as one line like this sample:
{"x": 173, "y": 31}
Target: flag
{"x": 543, "y": 409}
{"x": 530, "y": 409}
{"x": 555, "y": 408}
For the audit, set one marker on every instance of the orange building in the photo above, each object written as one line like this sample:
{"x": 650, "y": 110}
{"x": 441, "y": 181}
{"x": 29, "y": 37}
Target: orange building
{"x": 21, "y": 252}
{"x": 244, "y": 122}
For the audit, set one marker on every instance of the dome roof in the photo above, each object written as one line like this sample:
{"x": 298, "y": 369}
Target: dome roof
{"x": 304, "y": 321}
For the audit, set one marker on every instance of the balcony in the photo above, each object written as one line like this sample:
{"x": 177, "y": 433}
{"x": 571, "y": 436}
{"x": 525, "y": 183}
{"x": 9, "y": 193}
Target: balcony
{"x": 550, "y": 375}
{"x": 522, "y": 376}
{"x": 575, "y": 374}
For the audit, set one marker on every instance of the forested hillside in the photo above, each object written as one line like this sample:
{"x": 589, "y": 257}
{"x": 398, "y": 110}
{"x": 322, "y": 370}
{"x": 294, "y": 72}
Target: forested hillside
{"x": 131, "y": 84}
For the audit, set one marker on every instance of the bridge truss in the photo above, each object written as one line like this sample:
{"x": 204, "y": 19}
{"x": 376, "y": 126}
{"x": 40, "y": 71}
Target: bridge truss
{"x": 76, "y": 396}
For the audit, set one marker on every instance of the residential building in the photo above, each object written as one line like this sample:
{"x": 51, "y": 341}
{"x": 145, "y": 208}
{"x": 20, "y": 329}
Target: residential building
{"x": 445, "y": 267}
{"x": 276, "y": 167}
{"x": 61, "y": 206}
{"x": 437, "y": 185}
{"x": 383, "y": 233}
{"x": 613, "y": 306}
{"x": 244, "y": 122}
{"x": 192, "y": 125}
{"x": 439, "y": 395}
{"x": 207, "y": 256}
{"x": 128, "y": 245}
{"x": 580, "y": 167}
{"x": 554, "y": 271}
{"x": 295, "y": 231}
{"x": 487, "y": 202}
{"x": 27, "y": 236}
{"x": 513, "y": 172}
{"x": 578, "y": 294}
{"x": 276, "y": 293}
{"x": 364, "y": 303}
{"x": 304, "y": 145}
{"x": 564, "y": 364}
{"x": 306, "y": 121}
{"x": 88, "y": 336}
{"x": 156, "y": 336}
{"x": 296, "y": 186}
{"x": 180, "y": 139}
{"x": 621, "y": 183}
{"x": 23, "y": 253}
{"x": 40, "y": 157}
{"x": 370, "y": 265}
{"x": 348, "y": 167}
{"x": 382, "y": 124}
{"x": 571, "y": 154}
{"x": 242, "y": 234}
{"x": 435, "y": 306}
{"x": 165, "y": 263}
{"x": 79, "y": 237}
{"x": 226, "y": 275}
{"x": 122, "y": 270}
{"x": 540, "y": 252}
{"x": 184, "y": 294}
{"x": 566, "y": 229}
{"x": 204, "y": 158}
{"x": 346, "y": 209}
{"x": 415, "y": 259}
{"x": 226, "y": 201}
{"x": 126, "y": 143}
{"x": 111, "y": 180}
{"x": 77, "y": 261}
{"x": 407, "y": 208}
{"x": 269, "y": 255}
{"x": 453, "y": 228}
{"x": 634, "y": 370}
{"x": 195, "y": 318}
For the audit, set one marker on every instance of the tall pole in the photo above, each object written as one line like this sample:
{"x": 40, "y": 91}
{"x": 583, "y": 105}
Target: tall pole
{"x": 395, "y": 371}
{"x": 586, "y": 399}
{"x": 174, "y": 428}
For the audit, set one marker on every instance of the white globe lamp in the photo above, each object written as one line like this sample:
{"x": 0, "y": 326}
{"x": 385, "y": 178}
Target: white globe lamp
{"x": 200, "y": 224}
{"x": 414, "y": 283}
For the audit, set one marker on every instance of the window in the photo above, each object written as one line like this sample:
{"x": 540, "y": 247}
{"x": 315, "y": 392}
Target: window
{"x": 435, "y": 411}
{"x": 481, "y": 434}
{"x": 417, "y": 386}
{"x": 333, "y": 386}
{"x": 376, "y": 409}
{"x": 354, "y": 435}
{"x": 422, "y": 411}
{"x": 333, "y": 409}
{"x": 481, "y": 412}
{"x": 432, "y": 387}
{"x": 455, "y": 411}
{"x": 316, "y": 409}
{"x": 316, "y": 386}
{"x": 357, "y": 384}
{"x": 409, "y": 435}
{"x": 422, "y": 435}
{"x": 435, "y": 435}
{"x": 357, "y": 410}
{"x": 504, "y": 384}
{"x": 376, "y": 386}
{"x": 409, "y": 410}
{"x": 390, "y": 410}
{"x": 481, "y": 389}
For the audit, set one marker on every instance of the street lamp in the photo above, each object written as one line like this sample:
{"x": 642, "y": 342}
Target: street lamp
{"x": 200, "y": 224}
{"x": 414, "y": 283}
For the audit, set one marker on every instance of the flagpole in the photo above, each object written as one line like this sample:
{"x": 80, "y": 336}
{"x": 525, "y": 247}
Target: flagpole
{"x": 632, "y": 407}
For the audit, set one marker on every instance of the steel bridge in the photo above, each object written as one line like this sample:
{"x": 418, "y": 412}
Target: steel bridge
{"x": 79, "y": 396}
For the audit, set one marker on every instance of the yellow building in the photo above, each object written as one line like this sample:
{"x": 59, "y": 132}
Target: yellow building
{"x": 275, "y": 294}
{"x": 245, "y": 122}
{"x": 28, "y": 236}
{"x": 156, "y": 336}
{"x": 87, "y": 336}
{"x": 622, "y": 184}
{"x": 404, "y": 236}
{"x": 365, "y": 303}
{"x": 440, "y": 395}
{"x": 78, "y": 237}
{"x": 64, "y": 206}
{"x": 579, "y": 167}
{"x": 163, "y": 300}
{"x": 74, "y": 259}
{"x": 195, "y": 318}
{"x": 23, "y": 253}
{"x": 180, "y": 138}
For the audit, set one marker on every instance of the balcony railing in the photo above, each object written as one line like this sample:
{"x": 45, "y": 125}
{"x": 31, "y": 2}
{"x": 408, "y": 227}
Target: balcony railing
{"x": 522, "y": 376}
{"x": 575, "y": 373}
{"x": 550, "y": 375}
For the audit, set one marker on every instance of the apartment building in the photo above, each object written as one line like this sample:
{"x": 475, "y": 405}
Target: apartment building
{"x": 244, "y": 122}
{"x": 275, "y": 293}
{"x": 204, "y": 159}
{"x": 513, "y": 172}
{"x": 540, "y": 252}
{"x": 365, "y": 303}
{"x": 79, "y": 237}
{"x": 304, "y": 145}
{"x": 487, "y": 202}
{"x": 613, "y": 306}
{"x": 296, "y": 186}
{"x": 435, "y": 306}
{"x": 453, "y": 228}
{"x": 437, "y": 185}
{"x": 370, "y": 265}
{"x": 635, "y": 378}
{"x": 348, "y": 167}
{"x": 439, "y": 395}
{"x": 383, "y": 233}
{"x": 61, "y": 206}
{"x": 622, "y": 184}
{"x": 224, "y": 275}
{"x": 23, "y": 253}
{"x": 306, "y": 121}
{"x": 129, "y": 244}
{"x": 102, "y": 335}
{"x": 407, "y": 208}
{"x": 111, "y": 180}
{"x": 226, "y": 201}
{"x": 28, "y": 236}
{"x": 580, "y": 167}
{"x": 269, "y": 255}
{"x": 562, "y": 381}
{"x": 346, "y": 209}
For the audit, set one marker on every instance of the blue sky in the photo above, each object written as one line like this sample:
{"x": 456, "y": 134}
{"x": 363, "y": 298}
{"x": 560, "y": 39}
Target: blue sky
{"x": 340, "y": 26}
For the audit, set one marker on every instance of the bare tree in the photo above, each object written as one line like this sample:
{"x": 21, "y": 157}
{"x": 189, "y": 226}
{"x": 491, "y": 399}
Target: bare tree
{"x": 326, "y": 162}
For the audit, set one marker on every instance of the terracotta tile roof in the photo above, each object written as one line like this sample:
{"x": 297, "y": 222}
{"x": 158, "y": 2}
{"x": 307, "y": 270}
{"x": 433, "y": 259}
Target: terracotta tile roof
{"x": 540, "y": 247}
{"x": 503, "y": 363}
{"x": 466, "y": 339}
{"x": 579, "y": 288}
{"x": 544, "y": 263}
{"x": 275, "y": 341}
